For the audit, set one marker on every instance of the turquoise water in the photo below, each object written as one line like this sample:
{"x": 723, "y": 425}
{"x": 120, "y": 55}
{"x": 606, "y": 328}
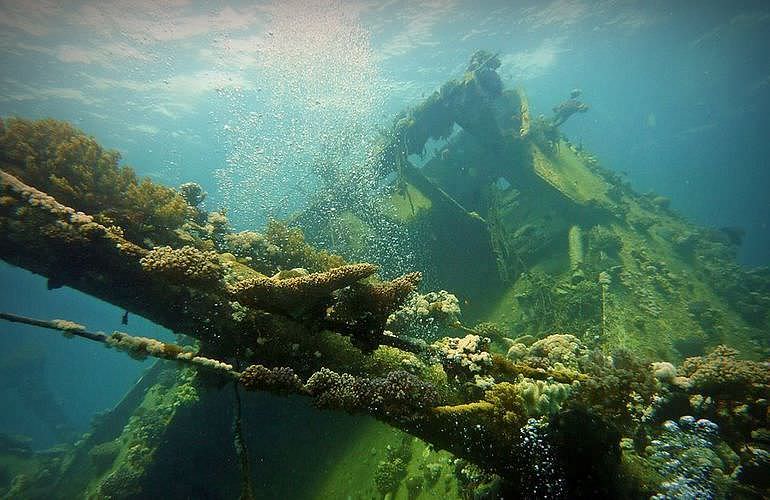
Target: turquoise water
{"x": 258, "y": 101}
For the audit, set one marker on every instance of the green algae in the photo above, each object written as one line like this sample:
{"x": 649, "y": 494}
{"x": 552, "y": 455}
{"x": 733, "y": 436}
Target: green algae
{"x": 425, "y": 473}
{"x": 408, "y": 203}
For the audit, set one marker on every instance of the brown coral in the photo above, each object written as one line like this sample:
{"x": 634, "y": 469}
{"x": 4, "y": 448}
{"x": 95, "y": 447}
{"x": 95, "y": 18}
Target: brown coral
{"x": 57, "y": 158}
{"x": 363, "y": 310}
{"x": 294, "y": 295}
{"x": 509, "y": 408}
{"x": 505, "y": 368}
{"x": 614, "y": 385}
{"x": 72, "y": 167}
{"x": 186, "y": 265}
{"x": 721, "y": 374}
{"x": 397, "y": 395}
{"x": 279, "y": 380}
{"x": 388, "y": 296}
{"x": 57, "y": 221}
{"x": 152, "y": 208}
{"x": 293, "y": 250}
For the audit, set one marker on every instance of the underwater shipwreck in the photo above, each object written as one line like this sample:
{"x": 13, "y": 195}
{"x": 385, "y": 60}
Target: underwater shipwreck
{"x": 578, "y": 339}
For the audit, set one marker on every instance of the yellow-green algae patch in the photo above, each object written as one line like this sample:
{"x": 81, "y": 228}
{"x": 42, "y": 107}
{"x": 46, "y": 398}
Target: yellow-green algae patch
{"x": 409, "y": 202}
{"x": 567, "y": 173}
{"x": 354, "y": 472}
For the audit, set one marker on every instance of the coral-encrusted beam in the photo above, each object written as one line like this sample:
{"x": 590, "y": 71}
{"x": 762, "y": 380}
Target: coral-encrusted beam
{"x": 139, "y": 347}
{"x": 68, "y": 327}
{"x": 70, "y": 248}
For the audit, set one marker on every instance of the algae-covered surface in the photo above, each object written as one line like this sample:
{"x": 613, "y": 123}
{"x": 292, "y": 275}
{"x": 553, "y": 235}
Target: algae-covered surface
{"x": 569, "y": 175}
{"x": 455, "y": 298}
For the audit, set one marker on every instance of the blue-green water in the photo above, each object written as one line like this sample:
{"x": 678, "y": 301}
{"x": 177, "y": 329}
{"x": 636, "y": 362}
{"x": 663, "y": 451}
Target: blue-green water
{"x": 245, "y": 98}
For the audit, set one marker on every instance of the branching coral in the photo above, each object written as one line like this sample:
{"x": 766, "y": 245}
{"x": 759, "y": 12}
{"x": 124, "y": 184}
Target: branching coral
{"x": 401, "y": 395}
{"x": 303, "y": 316}
{"x": 57, "y": 158}
{"x": 339, "y": 391}
{"x": 193, "y": 193}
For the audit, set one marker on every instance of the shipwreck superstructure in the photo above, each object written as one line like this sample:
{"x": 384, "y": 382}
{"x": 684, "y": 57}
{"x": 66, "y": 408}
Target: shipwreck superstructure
{"x": 591, "y": 320}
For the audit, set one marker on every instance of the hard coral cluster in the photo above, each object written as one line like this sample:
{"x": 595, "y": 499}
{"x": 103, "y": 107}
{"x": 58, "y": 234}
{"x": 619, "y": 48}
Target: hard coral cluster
{"x": 364, "y": 308}
{"x": 422, "y": 315}
{"x": 193, "y": 193}
{"x": 464, "y": 357}
{"x": 397, "y": 395}
{"x": 388, "y": 358}
{"x": 389, "y": 474}
{"x": 57, "y": 158}
{"x": 31, "y": 220}
{"x": 278, "y": 248}
{"x": 514, "y": 403}
{"x": 613, "y": 387}
{"x": 392, "y": 471}
{"x": 558, "y": 356}
{"x": 339, "y": 391}
{"x": 563, "y": 349}
{"x": 254, "y": 249}
{"x": 186, "y": 265}
{"x": 151, "y": 209}
{"x": 723, "y": 375}
{"x": 542, "y": 397}
{"x": 280, "y": 380}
